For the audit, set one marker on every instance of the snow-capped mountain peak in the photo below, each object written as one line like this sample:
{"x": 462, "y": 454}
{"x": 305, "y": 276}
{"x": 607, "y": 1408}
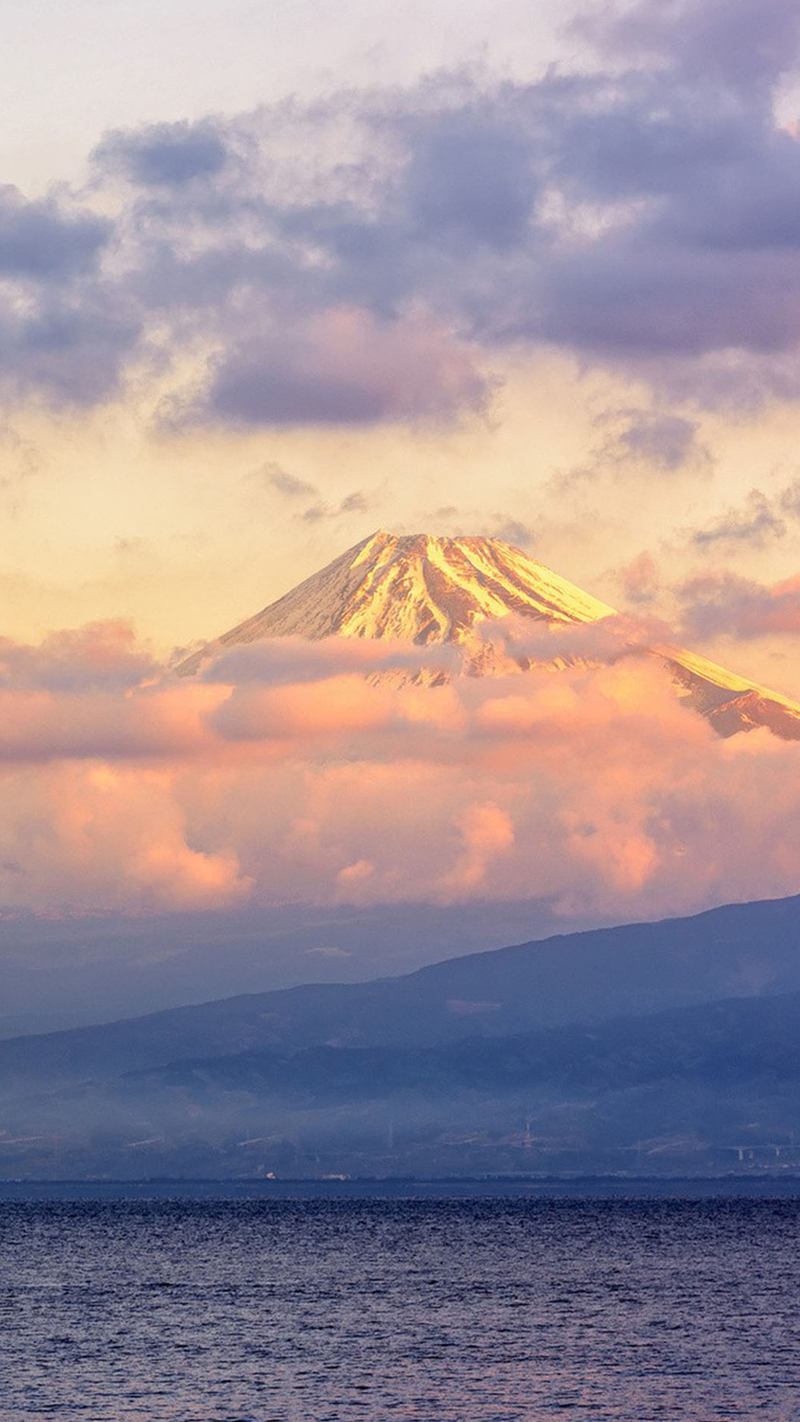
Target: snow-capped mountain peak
{"x": 421, "y": 589}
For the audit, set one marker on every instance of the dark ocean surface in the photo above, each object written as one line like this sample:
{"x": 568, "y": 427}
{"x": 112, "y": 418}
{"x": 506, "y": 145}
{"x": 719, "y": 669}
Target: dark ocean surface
{"x": 369, "y": 1310}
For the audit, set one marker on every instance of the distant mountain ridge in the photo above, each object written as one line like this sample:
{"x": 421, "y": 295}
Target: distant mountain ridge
{"x": 749, "y": 1036}
{"x": 427, "y": 590}
{"x": 657, "y": 1048}
{"x": 741, "y": 950}
{"x": 713, "y": 1088}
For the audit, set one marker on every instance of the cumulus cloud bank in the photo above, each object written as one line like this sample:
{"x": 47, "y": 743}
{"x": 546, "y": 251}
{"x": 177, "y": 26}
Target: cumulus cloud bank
{"x": 369, "y": 257}
{"x": 288, "y": 775}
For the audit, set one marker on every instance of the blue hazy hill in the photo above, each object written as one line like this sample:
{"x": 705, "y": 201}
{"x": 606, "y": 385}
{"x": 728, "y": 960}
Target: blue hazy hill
{"x": 742, "y": 950}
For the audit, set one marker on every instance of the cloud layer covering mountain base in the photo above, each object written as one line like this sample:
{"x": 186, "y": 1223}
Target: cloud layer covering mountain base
{"x": 127, "y": 789}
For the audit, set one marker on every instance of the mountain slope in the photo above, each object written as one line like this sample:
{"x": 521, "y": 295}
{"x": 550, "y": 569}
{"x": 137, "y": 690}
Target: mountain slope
{"x": 425, "y": 590}
{"x": 697, "y": 1089}
{"x": 741, "y": 950}
{"x": 735, "y": 1039}
{"x": 418, "y": 589}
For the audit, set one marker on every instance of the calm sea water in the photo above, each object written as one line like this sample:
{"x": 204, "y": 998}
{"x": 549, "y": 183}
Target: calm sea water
{"x": 400, "y": 1311}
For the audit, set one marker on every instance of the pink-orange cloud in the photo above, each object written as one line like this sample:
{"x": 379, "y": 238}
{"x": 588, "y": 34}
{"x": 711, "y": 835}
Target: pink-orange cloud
{"x": 593, "y": 787}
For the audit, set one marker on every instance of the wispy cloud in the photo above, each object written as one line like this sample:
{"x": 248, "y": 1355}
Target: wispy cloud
{"x": 643, "y": 442}
{"x": 356, "y": 502}
{"x": 723, "y": 604}
{"x": 640, "y": 580}
{"x": 755, "y": 524}
{"x": 663, "y": 441}
{"x": 291, "y": 486}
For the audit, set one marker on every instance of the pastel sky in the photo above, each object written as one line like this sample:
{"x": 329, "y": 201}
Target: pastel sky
{"x": 273, "y": 276}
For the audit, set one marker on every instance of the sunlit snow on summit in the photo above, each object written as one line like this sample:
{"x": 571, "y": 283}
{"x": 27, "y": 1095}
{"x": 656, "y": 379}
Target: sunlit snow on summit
{"x": 486, "y": 597}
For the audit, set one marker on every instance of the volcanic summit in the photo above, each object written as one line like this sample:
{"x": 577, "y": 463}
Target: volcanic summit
{"x": 421, "y": 589}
